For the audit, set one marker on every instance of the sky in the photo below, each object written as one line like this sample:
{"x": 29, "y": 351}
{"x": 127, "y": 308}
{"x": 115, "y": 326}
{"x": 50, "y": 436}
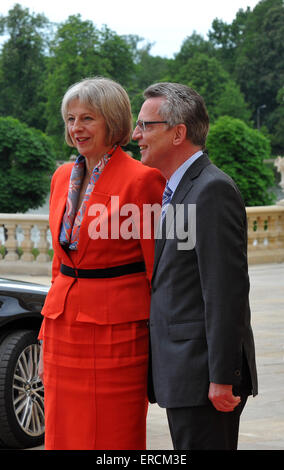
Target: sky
{"x": 166, "y": 23}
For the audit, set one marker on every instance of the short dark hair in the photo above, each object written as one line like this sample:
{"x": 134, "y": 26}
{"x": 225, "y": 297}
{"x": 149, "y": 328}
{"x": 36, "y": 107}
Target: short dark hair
{"x": 182, "y": 105}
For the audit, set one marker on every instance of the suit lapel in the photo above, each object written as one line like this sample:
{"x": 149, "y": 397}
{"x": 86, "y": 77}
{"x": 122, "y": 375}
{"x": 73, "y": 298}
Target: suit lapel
{"x": 56, "y": 217}
{"x": 100, "y": 196}
{"x": 180, "y": 193}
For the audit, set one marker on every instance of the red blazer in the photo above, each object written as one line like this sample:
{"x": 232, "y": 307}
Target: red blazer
{"x": 113, "y": 300}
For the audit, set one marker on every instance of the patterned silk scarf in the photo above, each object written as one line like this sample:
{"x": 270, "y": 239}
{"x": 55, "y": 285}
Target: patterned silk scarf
{"x": 71, "y": 222}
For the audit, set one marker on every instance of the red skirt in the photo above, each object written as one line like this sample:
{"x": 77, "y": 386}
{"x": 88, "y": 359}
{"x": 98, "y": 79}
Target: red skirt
{"x": 95, "y": 380}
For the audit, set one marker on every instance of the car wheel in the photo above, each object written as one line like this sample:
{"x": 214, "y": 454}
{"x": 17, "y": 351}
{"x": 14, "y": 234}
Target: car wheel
{"x": 21, "y": 391}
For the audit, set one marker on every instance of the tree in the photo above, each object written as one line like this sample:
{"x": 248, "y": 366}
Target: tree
{"x": 192, "y": 45}
{"x": 117, "y": 51}
{"x": 27, "y": 160}
{"x": 259, "y": 66}
{"x": 22, "y": 66}
{"x": 226, "y": 39}
{"x": 148, "y": 69}
{"x": 240, "y": 151}
{"x": 79, "y": 50}
{"x": 75, "y": 54}
{"x": 221, "y": 94}
{"x": 252, "y": 50}
{"x": 231, "y": 102}
{"x": 276, "y": 123}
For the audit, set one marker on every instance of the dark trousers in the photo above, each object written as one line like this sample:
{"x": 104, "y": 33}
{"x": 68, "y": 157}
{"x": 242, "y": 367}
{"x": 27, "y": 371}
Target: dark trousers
{"x": 205, "y": 428}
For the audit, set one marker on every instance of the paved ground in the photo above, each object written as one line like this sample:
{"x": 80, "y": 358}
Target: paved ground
{"x": 262, "y": 423}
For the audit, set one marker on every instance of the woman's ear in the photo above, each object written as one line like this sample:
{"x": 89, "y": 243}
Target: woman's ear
{"x": 180, "y": 134}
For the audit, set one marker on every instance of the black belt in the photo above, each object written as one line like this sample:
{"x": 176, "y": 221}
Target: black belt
{"x": 114, "y": 271}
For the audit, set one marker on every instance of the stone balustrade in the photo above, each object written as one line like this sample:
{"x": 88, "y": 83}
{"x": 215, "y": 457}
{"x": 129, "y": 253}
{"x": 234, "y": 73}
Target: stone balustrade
{"x": 265, "y": 234}
{"x": 25, "y": 244}
{"x": 25, "y": 241}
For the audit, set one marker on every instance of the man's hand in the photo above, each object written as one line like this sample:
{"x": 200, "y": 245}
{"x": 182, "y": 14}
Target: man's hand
{"x": 222, "y": 397}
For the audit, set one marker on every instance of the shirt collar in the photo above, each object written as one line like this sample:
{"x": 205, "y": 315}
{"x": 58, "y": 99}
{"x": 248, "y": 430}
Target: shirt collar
{"x": 174, "y": 180}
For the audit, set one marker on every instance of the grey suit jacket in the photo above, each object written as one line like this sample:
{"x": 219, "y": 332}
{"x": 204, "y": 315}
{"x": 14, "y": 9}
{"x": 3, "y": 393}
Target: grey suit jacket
{"x": 200, "y": 316}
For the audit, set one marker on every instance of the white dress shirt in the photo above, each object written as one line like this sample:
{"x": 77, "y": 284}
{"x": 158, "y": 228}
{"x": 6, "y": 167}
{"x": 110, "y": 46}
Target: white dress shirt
{"x": 174, "y": 180}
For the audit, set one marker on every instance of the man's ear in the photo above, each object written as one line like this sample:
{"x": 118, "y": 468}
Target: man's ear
{"x": 180, "y": 134}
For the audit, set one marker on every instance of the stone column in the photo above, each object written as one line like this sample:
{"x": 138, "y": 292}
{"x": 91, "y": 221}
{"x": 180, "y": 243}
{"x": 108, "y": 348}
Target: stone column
{"x": 11, "y": 242}
{"x": 27, "y": 244}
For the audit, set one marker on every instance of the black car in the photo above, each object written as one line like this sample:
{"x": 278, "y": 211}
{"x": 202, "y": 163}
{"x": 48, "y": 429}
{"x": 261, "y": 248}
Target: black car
{"x": 21, "y": 390}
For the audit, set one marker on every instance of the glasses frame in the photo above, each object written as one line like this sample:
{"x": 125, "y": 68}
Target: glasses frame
{"x": 143, "y": 124}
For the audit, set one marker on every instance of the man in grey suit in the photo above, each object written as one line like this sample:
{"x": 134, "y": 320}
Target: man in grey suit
{"x": 202, "y": 366}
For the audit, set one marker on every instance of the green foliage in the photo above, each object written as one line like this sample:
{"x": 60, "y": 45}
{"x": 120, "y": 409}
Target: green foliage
{"x": 116, "y": 50}
{"x": 192, "y": 45}
{"x": 262, "y": 74}
{"x": 74, "y": 55}
{"x": 239, "y": 67}
{"x": 240, "y": 151}
{"x": 276, "y": 123}
{"x": 148, "y": 69}
{"x": 252, "y": 50}
{"x": 26, "y": 162}
{"x": 80, "y": 50}
{"x": 208, "y": 77}
{"x": 22, "y": 66}
{"x": 228, "y": 38}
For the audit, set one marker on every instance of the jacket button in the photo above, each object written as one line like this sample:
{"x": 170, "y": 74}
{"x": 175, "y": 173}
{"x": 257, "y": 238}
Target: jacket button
{"x": 237, "y": 372}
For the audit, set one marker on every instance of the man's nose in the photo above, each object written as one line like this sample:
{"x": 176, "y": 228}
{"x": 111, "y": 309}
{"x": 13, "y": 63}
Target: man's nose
{"x": 136, "y": 133}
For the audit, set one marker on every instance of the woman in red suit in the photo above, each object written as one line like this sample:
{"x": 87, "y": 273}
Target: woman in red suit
{"x": 95, "y": 329}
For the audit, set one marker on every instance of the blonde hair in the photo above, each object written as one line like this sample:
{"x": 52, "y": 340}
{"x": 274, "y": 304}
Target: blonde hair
{"x": 107, "y": 97}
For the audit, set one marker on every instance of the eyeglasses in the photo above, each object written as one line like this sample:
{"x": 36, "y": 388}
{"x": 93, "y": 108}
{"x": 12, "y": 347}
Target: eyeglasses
{"x": 143, "y": 124}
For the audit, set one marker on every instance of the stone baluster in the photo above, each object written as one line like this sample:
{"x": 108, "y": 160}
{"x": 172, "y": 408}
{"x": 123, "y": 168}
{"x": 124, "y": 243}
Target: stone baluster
{"x": 272, "y": 234}
{"x": 281, "y": 230}
{"x": 261, "y": 232}
{"x": 27, "y": 244}
{"x": 43, "y": 256}
{"x": 251, "y": 221}
{"x": 11, "y": 242}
